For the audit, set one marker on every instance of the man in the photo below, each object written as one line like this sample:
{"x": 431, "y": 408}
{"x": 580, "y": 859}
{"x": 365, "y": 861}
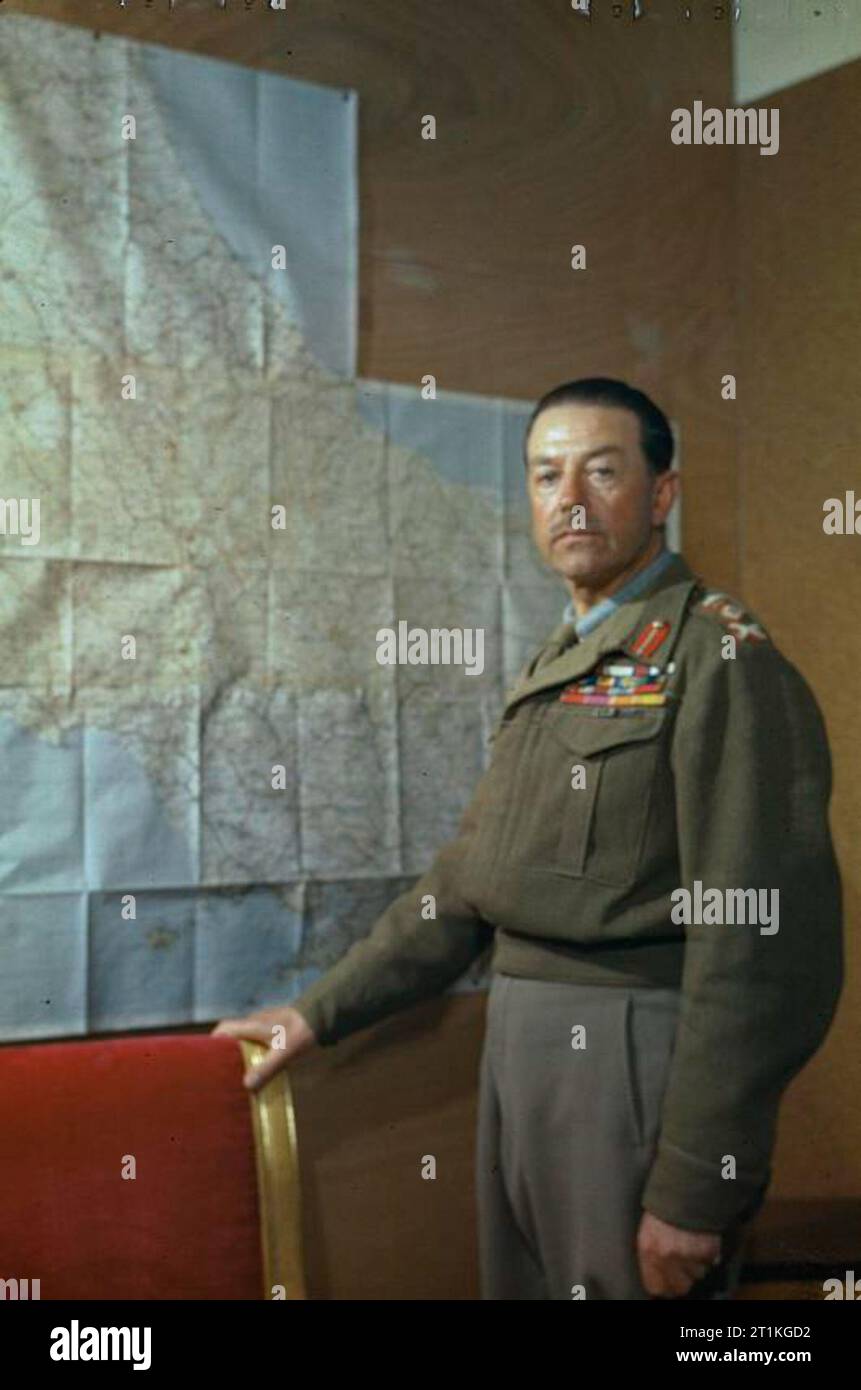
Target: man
{"x": 649, "y": 854}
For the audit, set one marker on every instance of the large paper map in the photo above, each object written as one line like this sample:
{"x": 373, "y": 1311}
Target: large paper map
{"x": 147, "y": 784}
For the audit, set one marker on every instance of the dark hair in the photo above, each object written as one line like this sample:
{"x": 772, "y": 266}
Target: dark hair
{"x": 656, "y": 437}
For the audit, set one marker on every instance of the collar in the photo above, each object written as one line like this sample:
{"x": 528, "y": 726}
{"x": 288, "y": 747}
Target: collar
{"x": 640, "y": 584}
{"x": 645, "y": 628}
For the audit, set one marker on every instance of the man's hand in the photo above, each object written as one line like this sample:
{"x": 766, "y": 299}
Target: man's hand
{"x": 672, "y": 1260}
{"x": 284, "y": 1031}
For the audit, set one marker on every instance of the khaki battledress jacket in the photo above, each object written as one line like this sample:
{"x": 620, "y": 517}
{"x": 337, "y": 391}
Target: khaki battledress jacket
{"x": 651, "y": 756}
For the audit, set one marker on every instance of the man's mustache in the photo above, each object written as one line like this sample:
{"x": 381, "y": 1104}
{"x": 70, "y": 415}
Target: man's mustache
{"x": 575, "y": 531}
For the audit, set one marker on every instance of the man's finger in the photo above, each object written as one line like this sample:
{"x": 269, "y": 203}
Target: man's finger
{"x": 252, "y": 1028}
{"x": 670, "y": 1277}
{"x": 654, "y": 1277}
{"x": 258, "y": 1075}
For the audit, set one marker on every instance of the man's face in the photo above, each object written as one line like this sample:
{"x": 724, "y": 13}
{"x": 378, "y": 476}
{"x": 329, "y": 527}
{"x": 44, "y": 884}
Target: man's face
{"x": 589, "y": 456}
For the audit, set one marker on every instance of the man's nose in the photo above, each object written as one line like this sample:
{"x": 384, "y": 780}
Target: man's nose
{"x": 571, "y": 494}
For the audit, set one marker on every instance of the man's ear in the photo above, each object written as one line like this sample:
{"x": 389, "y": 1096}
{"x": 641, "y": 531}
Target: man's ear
{"x": 665, "y": 491}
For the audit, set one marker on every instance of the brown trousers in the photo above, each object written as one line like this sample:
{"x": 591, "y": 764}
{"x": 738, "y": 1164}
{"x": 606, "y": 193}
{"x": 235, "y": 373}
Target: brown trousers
{"x": 566, "y": 1137}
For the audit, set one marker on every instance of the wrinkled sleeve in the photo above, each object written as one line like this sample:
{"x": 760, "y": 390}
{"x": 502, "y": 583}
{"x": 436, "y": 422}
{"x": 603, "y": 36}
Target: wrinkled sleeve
{"x": 752, "y": 782}
{"x": 406, "y": 957}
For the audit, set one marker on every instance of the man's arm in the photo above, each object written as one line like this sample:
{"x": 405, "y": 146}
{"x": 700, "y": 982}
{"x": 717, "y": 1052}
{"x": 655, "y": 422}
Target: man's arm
{"x": 406, "y": 957}
{"x": 753, "y": 779}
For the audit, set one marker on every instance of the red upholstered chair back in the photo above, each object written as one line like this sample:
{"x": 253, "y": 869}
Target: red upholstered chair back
{"x": 77, "y": 1118}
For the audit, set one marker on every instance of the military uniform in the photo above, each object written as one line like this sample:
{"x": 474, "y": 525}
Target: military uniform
{"x": 649, "y": 756}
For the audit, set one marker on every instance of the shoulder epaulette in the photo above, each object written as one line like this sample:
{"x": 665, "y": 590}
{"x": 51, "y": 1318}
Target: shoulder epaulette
{"x": 730, "y": 614}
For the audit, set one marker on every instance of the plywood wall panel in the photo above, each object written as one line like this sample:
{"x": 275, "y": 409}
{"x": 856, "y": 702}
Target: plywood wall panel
{"x": 800, "y": 442}
{"x": 551, "y": 130}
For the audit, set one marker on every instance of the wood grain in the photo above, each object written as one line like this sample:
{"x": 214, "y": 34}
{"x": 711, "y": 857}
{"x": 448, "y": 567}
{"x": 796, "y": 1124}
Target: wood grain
{"x": 551, "y": 130}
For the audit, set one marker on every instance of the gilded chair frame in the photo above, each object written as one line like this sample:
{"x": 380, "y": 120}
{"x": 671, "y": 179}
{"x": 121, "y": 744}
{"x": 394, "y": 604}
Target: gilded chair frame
{"x": 279, "y": 1194}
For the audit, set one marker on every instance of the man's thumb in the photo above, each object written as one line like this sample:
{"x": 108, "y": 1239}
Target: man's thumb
{"x": 258, "y": 1075}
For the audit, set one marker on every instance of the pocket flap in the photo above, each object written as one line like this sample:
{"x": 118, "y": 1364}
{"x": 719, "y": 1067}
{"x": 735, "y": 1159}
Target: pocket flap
{"x": 590, "y": 733}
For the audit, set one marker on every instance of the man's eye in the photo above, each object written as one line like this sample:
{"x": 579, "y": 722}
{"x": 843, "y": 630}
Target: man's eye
{"x": 602, "y": 473}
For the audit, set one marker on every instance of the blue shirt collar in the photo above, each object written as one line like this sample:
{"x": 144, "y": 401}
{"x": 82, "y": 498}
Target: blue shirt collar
{"x": 601, "y": 611}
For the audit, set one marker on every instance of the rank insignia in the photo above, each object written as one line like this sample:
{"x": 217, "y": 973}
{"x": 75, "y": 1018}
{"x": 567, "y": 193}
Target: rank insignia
{"x": 650, "y": 639}
{"x": 733, "y": 617}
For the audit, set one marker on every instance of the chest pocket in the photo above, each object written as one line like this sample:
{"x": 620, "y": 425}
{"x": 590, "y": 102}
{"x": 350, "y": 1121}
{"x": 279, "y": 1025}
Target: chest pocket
{"x": 573, "y": 789}
{"x": 603, "y": 822}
